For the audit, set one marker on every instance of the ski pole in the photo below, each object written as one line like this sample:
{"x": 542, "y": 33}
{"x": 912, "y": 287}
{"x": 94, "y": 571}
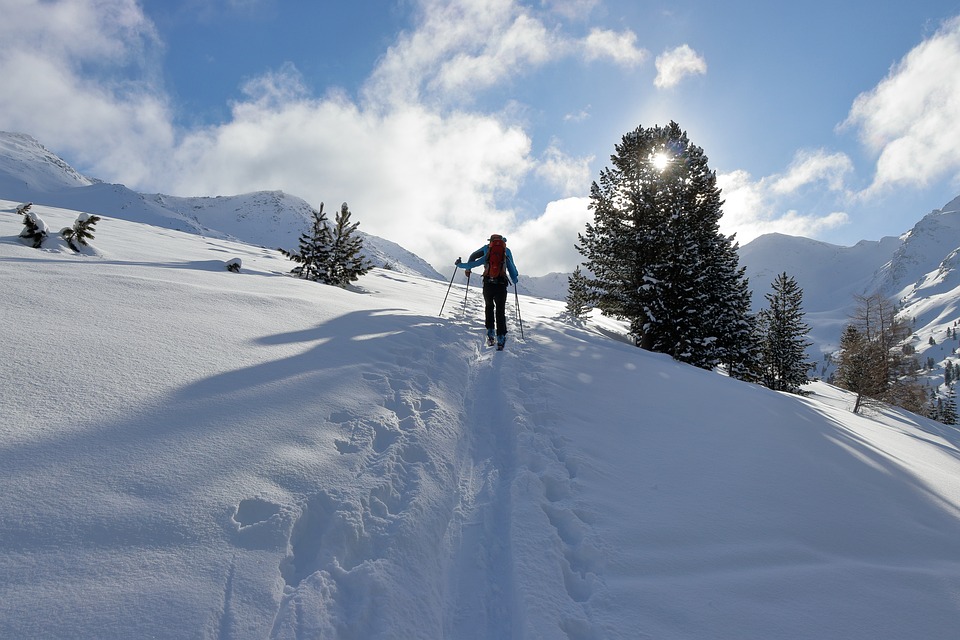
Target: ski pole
{"x": 465, "y": 293}
{"x": 448, "y": 288}
{"x": 519, "y": 319}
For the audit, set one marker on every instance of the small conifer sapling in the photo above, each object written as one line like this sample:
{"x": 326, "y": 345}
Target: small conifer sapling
{"x": 34, "y": 228}
{"x": 81, "y": 231}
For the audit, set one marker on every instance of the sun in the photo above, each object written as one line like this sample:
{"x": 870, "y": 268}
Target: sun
{"x": 660, "y": 160}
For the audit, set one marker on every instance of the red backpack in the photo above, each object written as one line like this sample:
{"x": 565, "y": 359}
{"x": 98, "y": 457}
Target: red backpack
{"x": 496, "y": 257}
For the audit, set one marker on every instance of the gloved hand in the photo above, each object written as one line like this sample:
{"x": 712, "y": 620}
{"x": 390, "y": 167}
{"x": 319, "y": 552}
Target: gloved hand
{"x": 515, "y": 280}
{"x": 457, "y": 262}
{"x": 467, "y": 272}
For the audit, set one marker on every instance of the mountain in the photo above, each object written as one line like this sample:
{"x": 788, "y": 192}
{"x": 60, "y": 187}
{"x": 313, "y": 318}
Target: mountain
{"x": 918, "y": 271}
{"x": 271, "y": 219}
{"x": 193, "y": 453}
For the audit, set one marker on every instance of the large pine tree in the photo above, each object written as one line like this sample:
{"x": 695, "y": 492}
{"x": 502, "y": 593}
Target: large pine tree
{"x": 784, "y": 333}
{"x": 658, "y": 257}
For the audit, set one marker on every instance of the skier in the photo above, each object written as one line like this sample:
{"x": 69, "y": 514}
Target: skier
{"x": 498, "y": 267}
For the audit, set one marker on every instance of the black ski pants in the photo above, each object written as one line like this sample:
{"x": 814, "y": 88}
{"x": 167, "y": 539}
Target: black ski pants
{"x": 495, "y": 311}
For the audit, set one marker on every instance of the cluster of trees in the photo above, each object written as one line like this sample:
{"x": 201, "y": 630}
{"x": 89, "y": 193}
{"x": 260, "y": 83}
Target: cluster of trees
{"x": 872, "y": 363}
{"x": 331, "y": 254}
{"x": 35, "y": 230}
{"x": 655, "y": 258}
{"x": 658, "y": 261}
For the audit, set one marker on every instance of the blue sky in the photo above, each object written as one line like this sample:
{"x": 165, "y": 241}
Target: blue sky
{"x": 441, "y": 121}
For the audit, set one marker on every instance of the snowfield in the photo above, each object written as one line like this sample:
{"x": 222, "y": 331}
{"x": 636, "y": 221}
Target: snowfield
{"x": 192, "y": 453}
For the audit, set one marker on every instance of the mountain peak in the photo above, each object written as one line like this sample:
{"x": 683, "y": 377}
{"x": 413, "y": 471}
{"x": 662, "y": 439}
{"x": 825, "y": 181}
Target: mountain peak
{"x": 26, "y": 165}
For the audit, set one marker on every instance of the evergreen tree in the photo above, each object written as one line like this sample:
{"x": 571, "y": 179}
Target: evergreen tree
{"x": 35, "y": 230}
{"x": 346, "y": 261}
{"x": 81, "y": 231}
{"x": 656, "y": 254}
{"x": 577, "y": 294}
{"x": 948, "y": 409}
{"x": 314, "y": 251}
{"x": 785, "y": 363}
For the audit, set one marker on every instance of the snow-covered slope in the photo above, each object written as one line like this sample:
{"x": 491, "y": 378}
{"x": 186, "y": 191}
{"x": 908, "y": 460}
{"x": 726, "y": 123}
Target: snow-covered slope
{"x": 193, "y": 453}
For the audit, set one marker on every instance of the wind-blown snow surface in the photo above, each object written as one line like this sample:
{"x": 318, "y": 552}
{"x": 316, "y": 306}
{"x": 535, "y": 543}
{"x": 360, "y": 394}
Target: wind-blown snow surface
{"x": 193, "y": 453}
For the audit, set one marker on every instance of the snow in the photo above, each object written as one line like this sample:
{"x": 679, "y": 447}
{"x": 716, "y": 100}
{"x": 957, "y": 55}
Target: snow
{"x": 193, "y": 453}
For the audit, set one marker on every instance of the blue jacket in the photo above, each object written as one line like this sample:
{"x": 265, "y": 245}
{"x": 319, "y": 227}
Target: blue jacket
{"x": 482, "y": 252}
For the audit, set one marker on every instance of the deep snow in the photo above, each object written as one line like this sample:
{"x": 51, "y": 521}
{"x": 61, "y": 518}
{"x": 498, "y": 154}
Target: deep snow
{"x": 193, "y": 453}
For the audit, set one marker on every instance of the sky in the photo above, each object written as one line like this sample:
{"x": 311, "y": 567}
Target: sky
{"x": 442, "y": 121}
{"x": 345, "y": 463}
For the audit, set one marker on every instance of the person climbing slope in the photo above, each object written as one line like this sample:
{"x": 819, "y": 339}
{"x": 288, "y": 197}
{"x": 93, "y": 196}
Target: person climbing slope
{"x": 498, "y": 272}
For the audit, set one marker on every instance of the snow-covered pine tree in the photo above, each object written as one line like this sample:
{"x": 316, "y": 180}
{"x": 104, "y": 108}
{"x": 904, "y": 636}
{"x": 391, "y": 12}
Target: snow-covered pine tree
{"x": 81, "y": 231}
{"x": 784, "y": 337}
{"x": 656, "y": 252}
{"x": 948, "y": 410}
{"x": 35, "y": 230}
{"x": 315, "y": 247}
{"x": 578, "y": 299}
{"x": 346, "y": 260}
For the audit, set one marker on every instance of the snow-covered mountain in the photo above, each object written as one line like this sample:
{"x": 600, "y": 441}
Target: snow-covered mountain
{"x": 918, "y": 271}
{"x": 272, "y": 219}
{"x": 193, "y": 453}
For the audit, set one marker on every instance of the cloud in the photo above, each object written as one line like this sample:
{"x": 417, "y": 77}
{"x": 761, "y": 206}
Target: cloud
{"x": 620, "y": 47}
{"x": 910, "y": 120}
{"x": 755, "y": 207}
{"x": 676, "y": 64}
{"x": 459, "y": 47}
{"x": 810, "y": 167}
{"x": 547, "y": 244}
{"x": 571, "y": 176}
{"x": 88, "y": 81}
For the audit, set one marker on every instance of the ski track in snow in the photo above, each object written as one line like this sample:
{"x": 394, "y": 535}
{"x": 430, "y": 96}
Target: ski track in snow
{"x": 462, "y": 524}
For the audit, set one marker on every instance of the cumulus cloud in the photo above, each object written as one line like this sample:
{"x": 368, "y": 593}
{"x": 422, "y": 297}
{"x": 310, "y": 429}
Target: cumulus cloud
{"x": 87, "y": 82}
{"x": 461, "y": 46}
{"x": 676, "y": 64}
{"x": 571, "y": 176}
{"x": 755, "y": 207}
{"x": 620, "y": 47}
{"x": 910, "y": 120}
{"x": 548, "y": 243}
{"x": 808, "y": 167}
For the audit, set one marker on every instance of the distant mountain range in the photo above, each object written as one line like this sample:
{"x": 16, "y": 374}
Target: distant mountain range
{"x": 917, "y": 269}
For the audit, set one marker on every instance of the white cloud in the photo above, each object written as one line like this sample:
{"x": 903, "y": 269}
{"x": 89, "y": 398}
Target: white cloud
{"x": 461, "y": 46}
{"x": 755, "y": 207}
{"x": 910, "y": 120}
{"x": 524, "y": 42}
{"x": 810, "y": 167}
{"x": 570, "y": 175}
{"x": 86, "y": 82}
{"x": 547, "y": 244}
{"x": 676, "y": 64}
{"x": 620, "y": 47}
